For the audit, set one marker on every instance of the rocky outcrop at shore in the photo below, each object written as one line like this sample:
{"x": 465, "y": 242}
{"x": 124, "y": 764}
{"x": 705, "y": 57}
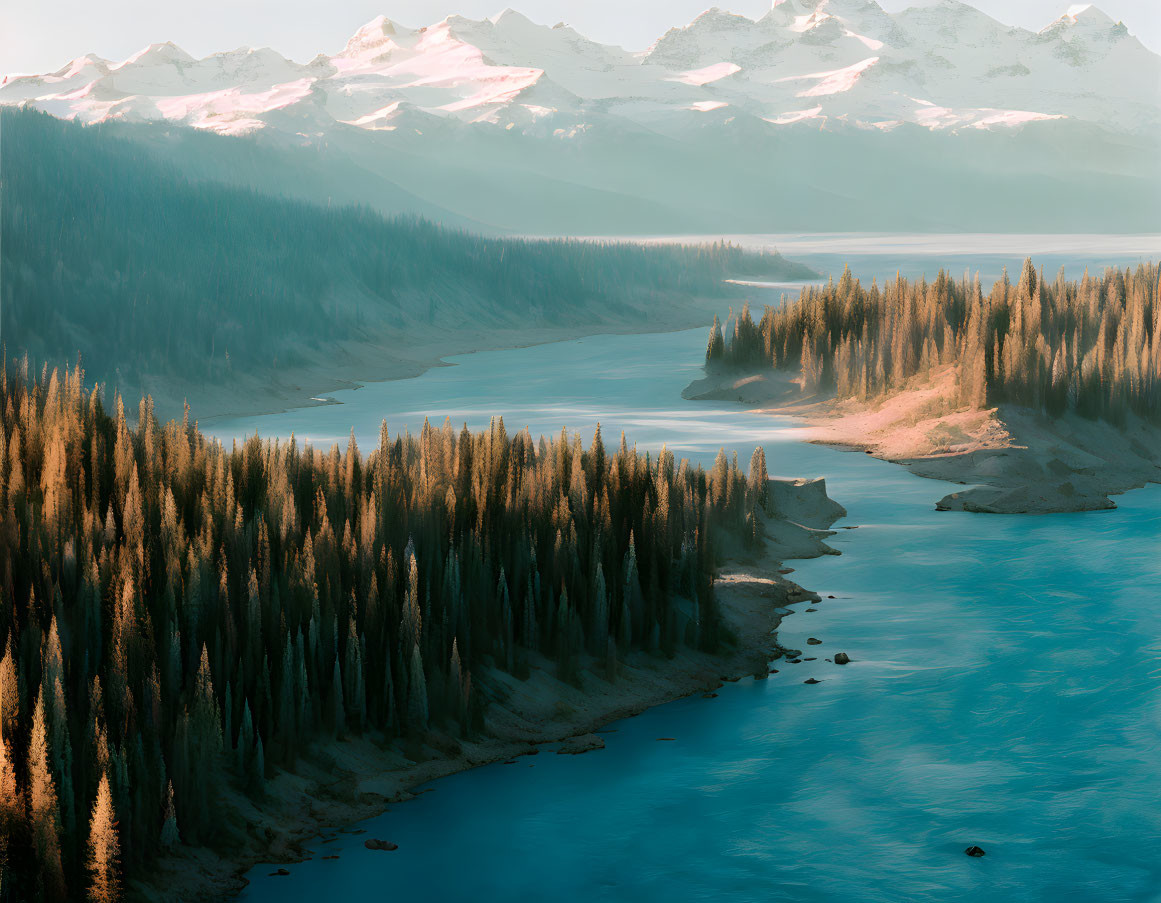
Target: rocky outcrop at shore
{"x": 763, "y": 388}
{"x": 1011, "y": 460}
{"x": 583, "y": 743}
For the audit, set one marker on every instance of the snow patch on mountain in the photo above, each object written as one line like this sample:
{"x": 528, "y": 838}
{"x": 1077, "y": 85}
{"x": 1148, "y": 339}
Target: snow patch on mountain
{"x": 835, "y": 81}
{"x": 707, "y": 74}
{"x": 707, "y": 106}
{"x": 797, "y": 116}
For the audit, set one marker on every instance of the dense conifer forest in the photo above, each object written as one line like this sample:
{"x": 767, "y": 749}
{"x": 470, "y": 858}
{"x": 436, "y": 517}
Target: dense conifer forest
{"x": 109, "y": 252}
{"x": 1092, "y": 346}
{"x": 179, "y": 616}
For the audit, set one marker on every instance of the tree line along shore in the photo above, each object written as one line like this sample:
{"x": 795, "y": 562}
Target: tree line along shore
{"x": 180, "y": 617}
{"x": 1090, "y": 346}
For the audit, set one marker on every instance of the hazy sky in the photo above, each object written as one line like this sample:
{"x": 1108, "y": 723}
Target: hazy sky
{"x": 42, "y": 35}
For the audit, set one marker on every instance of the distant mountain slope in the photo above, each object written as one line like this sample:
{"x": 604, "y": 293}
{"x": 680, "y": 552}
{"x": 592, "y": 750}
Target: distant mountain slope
{"x": 148, "y": 274}
{"x": 801, "y": 119}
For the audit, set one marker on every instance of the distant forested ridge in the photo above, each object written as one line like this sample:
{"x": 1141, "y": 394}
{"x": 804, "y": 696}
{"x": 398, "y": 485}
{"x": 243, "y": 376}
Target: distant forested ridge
{"x": 1092, "y": 346}
{"x": 110, "y": 253}
{"x": 177, "y": 616}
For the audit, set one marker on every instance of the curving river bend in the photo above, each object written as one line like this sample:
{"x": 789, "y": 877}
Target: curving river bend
{"x": 1005, "y": 690}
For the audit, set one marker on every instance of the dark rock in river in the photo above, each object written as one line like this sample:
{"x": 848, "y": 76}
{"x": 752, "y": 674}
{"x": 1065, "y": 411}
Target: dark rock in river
{"x": 576, "y": 745}
{"x": 841, "y": 658}
{"x": 279, "y": 872}
{"x": 374, "y": 843}
{"x": 975, "y": 852}
{"x": 811, "y": 680}
{"x": 813, "y": 641}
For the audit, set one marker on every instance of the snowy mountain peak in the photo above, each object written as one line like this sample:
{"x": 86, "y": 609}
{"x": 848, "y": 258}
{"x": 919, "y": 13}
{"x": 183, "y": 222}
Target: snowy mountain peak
{"x": 1083, "y": 18}
{"x": 717, "y": 18}
{"x": 90, "y": 62}
{"x": 1088, "y": 14}
{"x": 1085, "y": 33}
{"x": 374, "y": 35}
{"x": 509, "y": 18}
{"x": 157, "y": 54}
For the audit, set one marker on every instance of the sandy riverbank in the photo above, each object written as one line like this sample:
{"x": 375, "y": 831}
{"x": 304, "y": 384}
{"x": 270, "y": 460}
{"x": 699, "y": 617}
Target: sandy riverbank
{"x": 1013, "y": 460}
{"x": 343, "y": 782}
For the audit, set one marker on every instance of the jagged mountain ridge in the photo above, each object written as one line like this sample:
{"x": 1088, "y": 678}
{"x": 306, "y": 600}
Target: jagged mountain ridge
{"x": 945, "y": 66}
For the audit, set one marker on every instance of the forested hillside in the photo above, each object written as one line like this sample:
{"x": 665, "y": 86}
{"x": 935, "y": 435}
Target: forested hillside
{"x": 109, "y": 254}
{"x": 1091, "y": 346}
{"x": 178, "y": 616}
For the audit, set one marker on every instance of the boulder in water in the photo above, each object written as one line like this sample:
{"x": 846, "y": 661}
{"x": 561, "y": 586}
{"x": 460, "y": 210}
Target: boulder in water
{"x": 813, "y": 641}
{"x": 974, "y": 851}
{"x": 279, "y": 873}
{"x": 841, "y": 658}
{"x": 582, "y": 744}
{"x": 374, "y": 843}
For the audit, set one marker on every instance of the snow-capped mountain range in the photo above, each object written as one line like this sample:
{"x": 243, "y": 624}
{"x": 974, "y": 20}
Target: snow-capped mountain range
{"x": 818, "y": 114}
{"x": 946, "y": 66}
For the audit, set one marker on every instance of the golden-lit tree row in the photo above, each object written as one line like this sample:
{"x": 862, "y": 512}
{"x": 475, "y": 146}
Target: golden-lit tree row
{"x": 177, "y": 615}
{"x": 1092, "y": 346}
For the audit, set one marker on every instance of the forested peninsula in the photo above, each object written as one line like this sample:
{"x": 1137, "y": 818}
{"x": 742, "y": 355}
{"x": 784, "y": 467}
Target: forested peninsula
{"x": 1046, "y": 391}
{"x": 208, "y": 651}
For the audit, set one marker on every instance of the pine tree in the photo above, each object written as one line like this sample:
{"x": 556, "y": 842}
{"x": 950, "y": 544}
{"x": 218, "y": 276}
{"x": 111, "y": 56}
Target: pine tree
{"x": 759, "y": 481}
{"x": 169, "y": 833}
{"x": 716, "y": 347}
{"x": 104, "y": 849}
{"x": 417, "y": 710}
{"x": 43, "y": 806}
